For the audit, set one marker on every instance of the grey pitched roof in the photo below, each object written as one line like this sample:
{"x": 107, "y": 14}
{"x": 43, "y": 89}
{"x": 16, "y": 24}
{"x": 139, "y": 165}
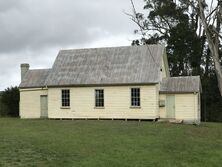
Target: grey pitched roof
{"x": 116, "y": 65}
{"x": 35, "y": 78}
{"x": 181, "y": 84}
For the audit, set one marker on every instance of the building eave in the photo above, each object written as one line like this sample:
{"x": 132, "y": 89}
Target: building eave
{"x": 178, "y": 92}
{"x": 101, "y": 85}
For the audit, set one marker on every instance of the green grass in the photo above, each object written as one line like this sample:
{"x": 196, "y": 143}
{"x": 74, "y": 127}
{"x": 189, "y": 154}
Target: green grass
{"x": 108, "y": 143}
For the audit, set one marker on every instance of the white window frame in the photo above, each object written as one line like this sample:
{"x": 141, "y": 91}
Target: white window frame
{"x": 65, "y": 98}
{"x": 101, "y": 100}
{"x": 135, "y": 97}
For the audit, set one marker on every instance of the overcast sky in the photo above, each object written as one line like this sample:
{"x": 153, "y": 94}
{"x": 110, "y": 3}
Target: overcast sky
{"x": 33, "y": 31}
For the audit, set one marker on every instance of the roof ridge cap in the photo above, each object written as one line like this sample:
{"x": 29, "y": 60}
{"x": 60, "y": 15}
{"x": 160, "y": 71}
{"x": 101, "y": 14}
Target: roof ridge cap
{"x": 109, "y": 47}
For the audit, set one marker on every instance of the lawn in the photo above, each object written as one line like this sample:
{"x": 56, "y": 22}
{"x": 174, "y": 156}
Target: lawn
{"x": 108, "y": 143}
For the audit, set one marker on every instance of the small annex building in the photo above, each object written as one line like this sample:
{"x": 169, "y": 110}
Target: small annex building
{"x": 131, "y": 82}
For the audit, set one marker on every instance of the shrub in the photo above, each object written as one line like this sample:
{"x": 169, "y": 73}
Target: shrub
{"x": 9, "y": 102}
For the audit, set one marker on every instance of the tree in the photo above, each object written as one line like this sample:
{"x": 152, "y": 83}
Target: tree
{"x": 10, "y": 98}
{"x": 3, "y": 109}
{"x": 172, "y": 24}
{"x": 212, "y": 27}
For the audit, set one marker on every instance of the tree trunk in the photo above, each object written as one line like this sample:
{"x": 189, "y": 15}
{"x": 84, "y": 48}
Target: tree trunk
{"x": 213, "y": 45}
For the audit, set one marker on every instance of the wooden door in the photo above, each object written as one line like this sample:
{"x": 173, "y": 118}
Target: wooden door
{"x": 170, "y": 106}
{"x": 44, "y": 106}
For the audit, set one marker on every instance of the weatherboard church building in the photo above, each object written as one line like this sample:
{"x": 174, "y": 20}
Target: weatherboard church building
{"x": 131, "y": 82}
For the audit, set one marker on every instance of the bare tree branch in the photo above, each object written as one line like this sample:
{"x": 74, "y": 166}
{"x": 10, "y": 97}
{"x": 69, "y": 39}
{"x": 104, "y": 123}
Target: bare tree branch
{"x": 141, "y": 29}
{"x": 213, "y": 44}
{"x": 211, "y": 13}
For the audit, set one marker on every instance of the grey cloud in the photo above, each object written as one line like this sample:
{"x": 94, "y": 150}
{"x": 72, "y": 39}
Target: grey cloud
{"x": 45, "y": 23}
{"x": 6, "y": 5}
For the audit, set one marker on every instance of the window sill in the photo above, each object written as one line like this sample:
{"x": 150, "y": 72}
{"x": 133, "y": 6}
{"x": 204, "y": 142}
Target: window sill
{"x": 65, "y": 108}
{"x": 135, "y": 107}
{"x": 99, "y": 107}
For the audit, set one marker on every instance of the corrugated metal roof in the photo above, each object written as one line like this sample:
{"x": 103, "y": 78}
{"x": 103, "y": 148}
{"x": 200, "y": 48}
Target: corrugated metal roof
{"x": 116, "y": 65}
{"x": 35, "y": 78}
{"x": 181, "y": 84}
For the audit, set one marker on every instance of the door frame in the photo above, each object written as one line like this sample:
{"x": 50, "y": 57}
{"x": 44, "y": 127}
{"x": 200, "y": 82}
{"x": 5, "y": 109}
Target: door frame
{"x": 42, "y": 115}
{"x": 170, "y": 106}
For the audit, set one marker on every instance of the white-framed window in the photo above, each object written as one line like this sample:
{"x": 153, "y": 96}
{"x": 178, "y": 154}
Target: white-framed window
{"x": 99, "y": 98}
{"x": 135, "y": 97}
{"x": 65, "y": 98}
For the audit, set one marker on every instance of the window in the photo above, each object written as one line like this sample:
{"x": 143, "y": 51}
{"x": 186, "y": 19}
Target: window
{"x": 135, "y": 97}
{"x": 99, "y": 96}
{"x": 65, "y": 98}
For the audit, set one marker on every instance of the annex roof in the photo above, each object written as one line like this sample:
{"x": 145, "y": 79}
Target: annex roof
{"x": 35, "y": 78}
{"x": 180, "y": 84}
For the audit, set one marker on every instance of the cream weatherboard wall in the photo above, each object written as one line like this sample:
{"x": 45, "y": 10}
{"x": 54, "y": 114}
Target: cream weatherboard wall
{"x": 165, "y": 68}
{"x": 163, "y": 109}
{"x": 163, "y": 72}
{"x": 30, "y": 102}
{"x": 187, "y": 107}
{"x": 117, "y": 103}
